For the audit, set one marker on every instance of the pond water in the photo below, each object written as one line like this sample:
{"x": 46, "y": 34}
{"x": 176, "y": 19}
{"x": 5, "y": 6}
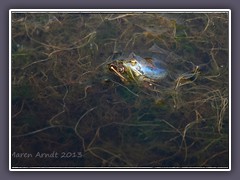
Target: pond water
{"x": 68, "y": 104}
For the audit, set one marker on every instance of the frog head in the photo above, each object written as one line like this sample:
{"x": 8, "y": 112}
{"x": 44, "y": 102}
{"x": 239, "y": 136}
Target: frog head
{"x": 137, "y": 69}
{"x": 127, "y": 69}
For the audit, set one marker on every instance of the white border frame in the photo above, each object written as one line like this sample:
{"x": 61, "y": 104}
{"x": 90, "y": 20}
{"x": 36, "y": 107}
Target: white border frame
{"x": 117, "y": 11}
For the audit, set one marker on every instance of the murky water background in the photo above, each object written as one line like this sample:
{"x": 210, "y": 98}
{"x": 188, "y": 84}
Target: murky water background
{"x": 66, "y": 101}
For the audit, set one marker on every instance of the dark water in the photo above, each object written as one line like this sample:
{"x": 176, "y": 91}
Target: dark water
{"x": 70, "y": 110}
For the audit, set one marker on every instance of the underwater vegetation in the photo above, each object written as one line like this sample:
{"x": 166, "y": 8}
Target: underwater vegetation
{"x": 120, "y": 90}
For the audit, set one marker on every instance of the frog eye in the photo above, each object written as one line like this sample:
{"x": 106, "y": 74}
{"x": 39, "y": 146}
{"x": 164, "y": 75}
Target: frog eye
{"x": 133, "y": 62}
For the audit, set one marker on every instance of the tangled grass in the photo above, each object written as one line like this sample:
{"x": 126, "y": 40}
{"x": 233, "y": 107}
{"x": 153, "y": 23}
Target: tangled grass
{"x": 65, "y": 100}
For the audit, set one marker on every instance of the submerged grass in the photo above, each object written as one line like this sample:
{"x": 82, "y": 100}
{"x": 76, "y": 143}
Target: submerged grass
{"x": 64, "y": 99}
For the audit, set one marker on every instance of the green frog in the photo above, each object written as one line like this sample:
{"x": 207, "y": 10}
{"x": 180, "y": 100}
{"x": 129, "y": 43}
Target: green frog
{"x": 137, "y": 69}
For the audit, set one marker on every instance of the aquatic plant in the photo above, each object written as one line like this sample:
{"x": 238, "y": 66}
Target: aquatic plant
{"x": 65, "y": 98}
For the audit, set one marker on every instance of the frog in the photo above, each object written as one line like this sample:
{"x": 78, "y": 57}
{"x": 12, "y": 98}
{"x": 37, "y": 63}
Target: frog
{"x": 140, "y": 70}
{"x": 157, "y": 70}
